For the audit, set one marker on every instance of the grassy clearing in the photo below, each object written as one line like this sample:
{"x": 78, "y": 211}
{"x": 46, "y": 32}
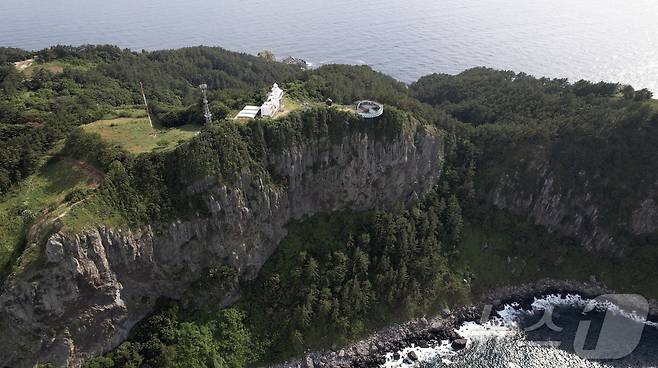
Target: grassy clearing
{"x": 289, "y": 105}
{"x": 294, "y": 105}
{"x": 57, "y": 66}
{"x": 126, "y": 112}
{"x": 346, "y": 108}
{"x": 92, "y": 212}
{"x": 39, "y": 193}
{"x": 129, "y": 129}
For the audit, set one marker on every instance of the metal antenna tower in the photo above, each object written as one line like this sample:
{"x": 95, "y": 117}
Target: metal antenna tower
{"x": 206, "y": 109}
{"x": 146, "y": 105}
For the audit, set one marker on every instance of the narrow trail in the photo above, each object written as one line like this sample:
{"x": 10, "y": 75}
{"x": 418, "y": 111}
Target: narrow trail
{"x": 22, "y": 65}
{"x": 46, "y": 217}
{"x": 96, "y": 175}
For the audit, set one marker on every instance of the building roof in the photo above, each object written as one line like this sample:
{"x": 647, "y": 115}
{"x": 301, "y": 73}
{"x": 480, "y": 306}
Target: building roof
{"x": 270, "y": 106}
{"x": 249, "y": 112}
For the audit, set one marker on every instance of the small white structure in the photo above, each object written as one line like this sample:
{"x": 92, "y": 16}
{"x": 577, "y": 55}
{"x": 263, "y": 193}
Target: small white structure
{"x": 271, "y": 106}
{"x": 249, "y": 112}
{"x": 273, "y": 103}
{"x": 369, "y": 109}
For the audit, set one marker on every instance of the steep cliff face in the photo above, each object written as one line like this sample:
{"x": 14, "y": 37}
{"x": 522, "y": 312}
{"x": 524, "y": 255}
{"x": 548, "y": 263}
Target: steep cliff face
{"x": 92, "y": 287}
{"x": 531, "y": 187}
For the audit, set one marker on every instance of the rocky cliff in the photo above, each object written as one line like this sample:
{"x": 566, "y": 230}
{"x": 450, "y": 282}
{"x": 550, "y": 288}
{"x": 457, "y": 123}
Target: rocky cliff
{"x": 532, "y": 187}
{"x": 90, "y": 288}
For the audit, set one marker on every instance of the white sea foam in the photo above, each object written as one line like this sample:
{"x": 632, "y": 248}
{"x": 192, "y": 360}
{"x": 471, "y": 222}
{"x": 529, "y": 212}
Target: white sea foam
{"x": 553, "y": 300}
{"x": 495, "y": 328}
{"x": 471, "y": 331}
{"x": 573, "y": 300}
{"x": 505, "y": 325}
{"x": 442, "y": 350}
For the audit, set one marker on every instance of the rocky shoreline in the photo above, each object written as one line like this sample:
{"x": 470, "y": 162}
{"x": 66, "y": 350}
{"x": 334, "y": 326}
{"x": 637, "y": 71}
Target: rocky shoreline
{"x": 428, "y": 332}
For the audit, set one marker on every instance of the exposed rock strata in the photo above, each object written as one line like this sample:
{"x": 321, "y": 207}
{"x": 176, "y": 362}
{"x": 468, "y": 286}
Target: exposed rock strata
{"x": 531, "y": 188}
{"x": 92, "y": 287}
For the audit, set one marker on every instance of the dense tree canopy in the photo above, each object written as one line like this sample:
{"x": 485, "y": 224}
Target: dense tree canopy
{"x": 12, "y": 55}
{"x": 39, "y": 110}
{"x": 335, "y": 277}
{"x": 598, "y": 138}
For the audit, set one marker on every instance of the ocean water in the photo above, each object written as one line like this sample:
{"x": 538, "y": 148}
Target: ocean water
{"x": 505, "y": 342}
{"x": 612, "y": 40}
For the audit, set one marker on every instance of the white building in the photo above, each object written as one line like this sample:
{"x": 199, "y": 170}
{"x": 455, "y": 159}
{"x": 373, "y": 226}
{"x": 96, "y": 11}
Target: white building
{"x": 273, "y": 103}
{"x": 249, "y": 112}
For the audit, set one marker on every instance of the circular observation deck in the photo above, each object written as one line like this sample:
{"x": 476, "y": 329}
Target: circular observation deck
{"x": 369, "y": 109}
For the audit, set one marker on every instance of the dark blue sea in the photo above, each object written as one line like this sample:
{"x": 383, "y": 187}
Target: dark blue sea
{"x": 612, "y": 40}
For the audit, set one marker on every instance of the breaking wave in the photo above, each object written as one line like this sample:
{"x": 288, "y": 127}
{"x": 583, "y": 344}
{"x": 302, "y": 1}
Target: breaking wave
{"x": 503, "y": 341}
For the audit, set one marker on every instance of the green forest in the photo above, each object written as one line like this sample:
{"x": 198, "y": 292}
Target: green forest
{"x": 335, "y": 277}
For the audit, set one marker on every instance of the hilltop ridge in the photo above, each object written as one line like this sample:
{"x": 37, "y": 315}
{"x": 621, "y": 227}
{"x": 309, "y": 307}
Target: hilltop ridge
{"x": 265, "y": 238}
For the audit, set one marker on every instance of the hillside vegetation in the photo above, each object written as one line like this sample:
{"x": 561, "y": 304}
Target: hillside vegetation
{"x": 333, "y": 279}
{"x": 33, "y": 198}
{"x": 336, "y": 276}
{"x": 131, "y": 131}
{"x": 96, "y": 88}
{"x": 597, "y": 141}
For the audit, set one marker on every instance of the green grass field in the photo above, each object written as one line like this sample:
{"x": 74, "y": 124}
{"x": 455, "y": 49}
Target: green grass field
{"x": 89, "y": 213}
{"x": 129, "y": 128}
{"x": 126, "y": 112}
{"x": 289, "y": 105}
{"x": 40, "y": 192}
{"x": 57, "y": 66}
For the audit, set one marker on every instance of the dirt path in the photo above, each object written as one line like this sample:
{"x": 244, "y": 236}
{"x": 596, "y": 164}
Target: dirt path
{"x": 47, "y": 217}
{"x": 22, "y": 65}
{"x": 96, "y": 175}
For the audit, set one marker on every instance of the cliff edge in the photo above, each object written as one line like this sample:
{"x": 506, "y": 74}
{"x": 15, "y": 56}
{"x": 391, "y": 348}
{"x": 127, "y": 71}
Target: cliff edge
{"x": 91, "y": 287}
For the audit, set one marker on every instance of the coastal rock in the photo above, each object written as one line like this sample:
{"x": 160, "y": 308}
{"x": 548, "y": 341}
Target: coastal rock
{"x": 459, "y": 344}
{"x": 94, "y": 286}
{"x": 412, "y": 356}
{"x": 399, "y": 337}
{"x": 361, "y": 350}
{"x": 296, "y": 61}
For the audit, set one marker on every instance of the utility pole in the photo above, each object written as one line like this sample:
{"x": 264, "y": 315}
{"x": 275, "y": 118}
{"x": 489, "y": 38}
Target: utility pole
{"x": 146, "y": 105}
{"x": 206, "y": 109}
